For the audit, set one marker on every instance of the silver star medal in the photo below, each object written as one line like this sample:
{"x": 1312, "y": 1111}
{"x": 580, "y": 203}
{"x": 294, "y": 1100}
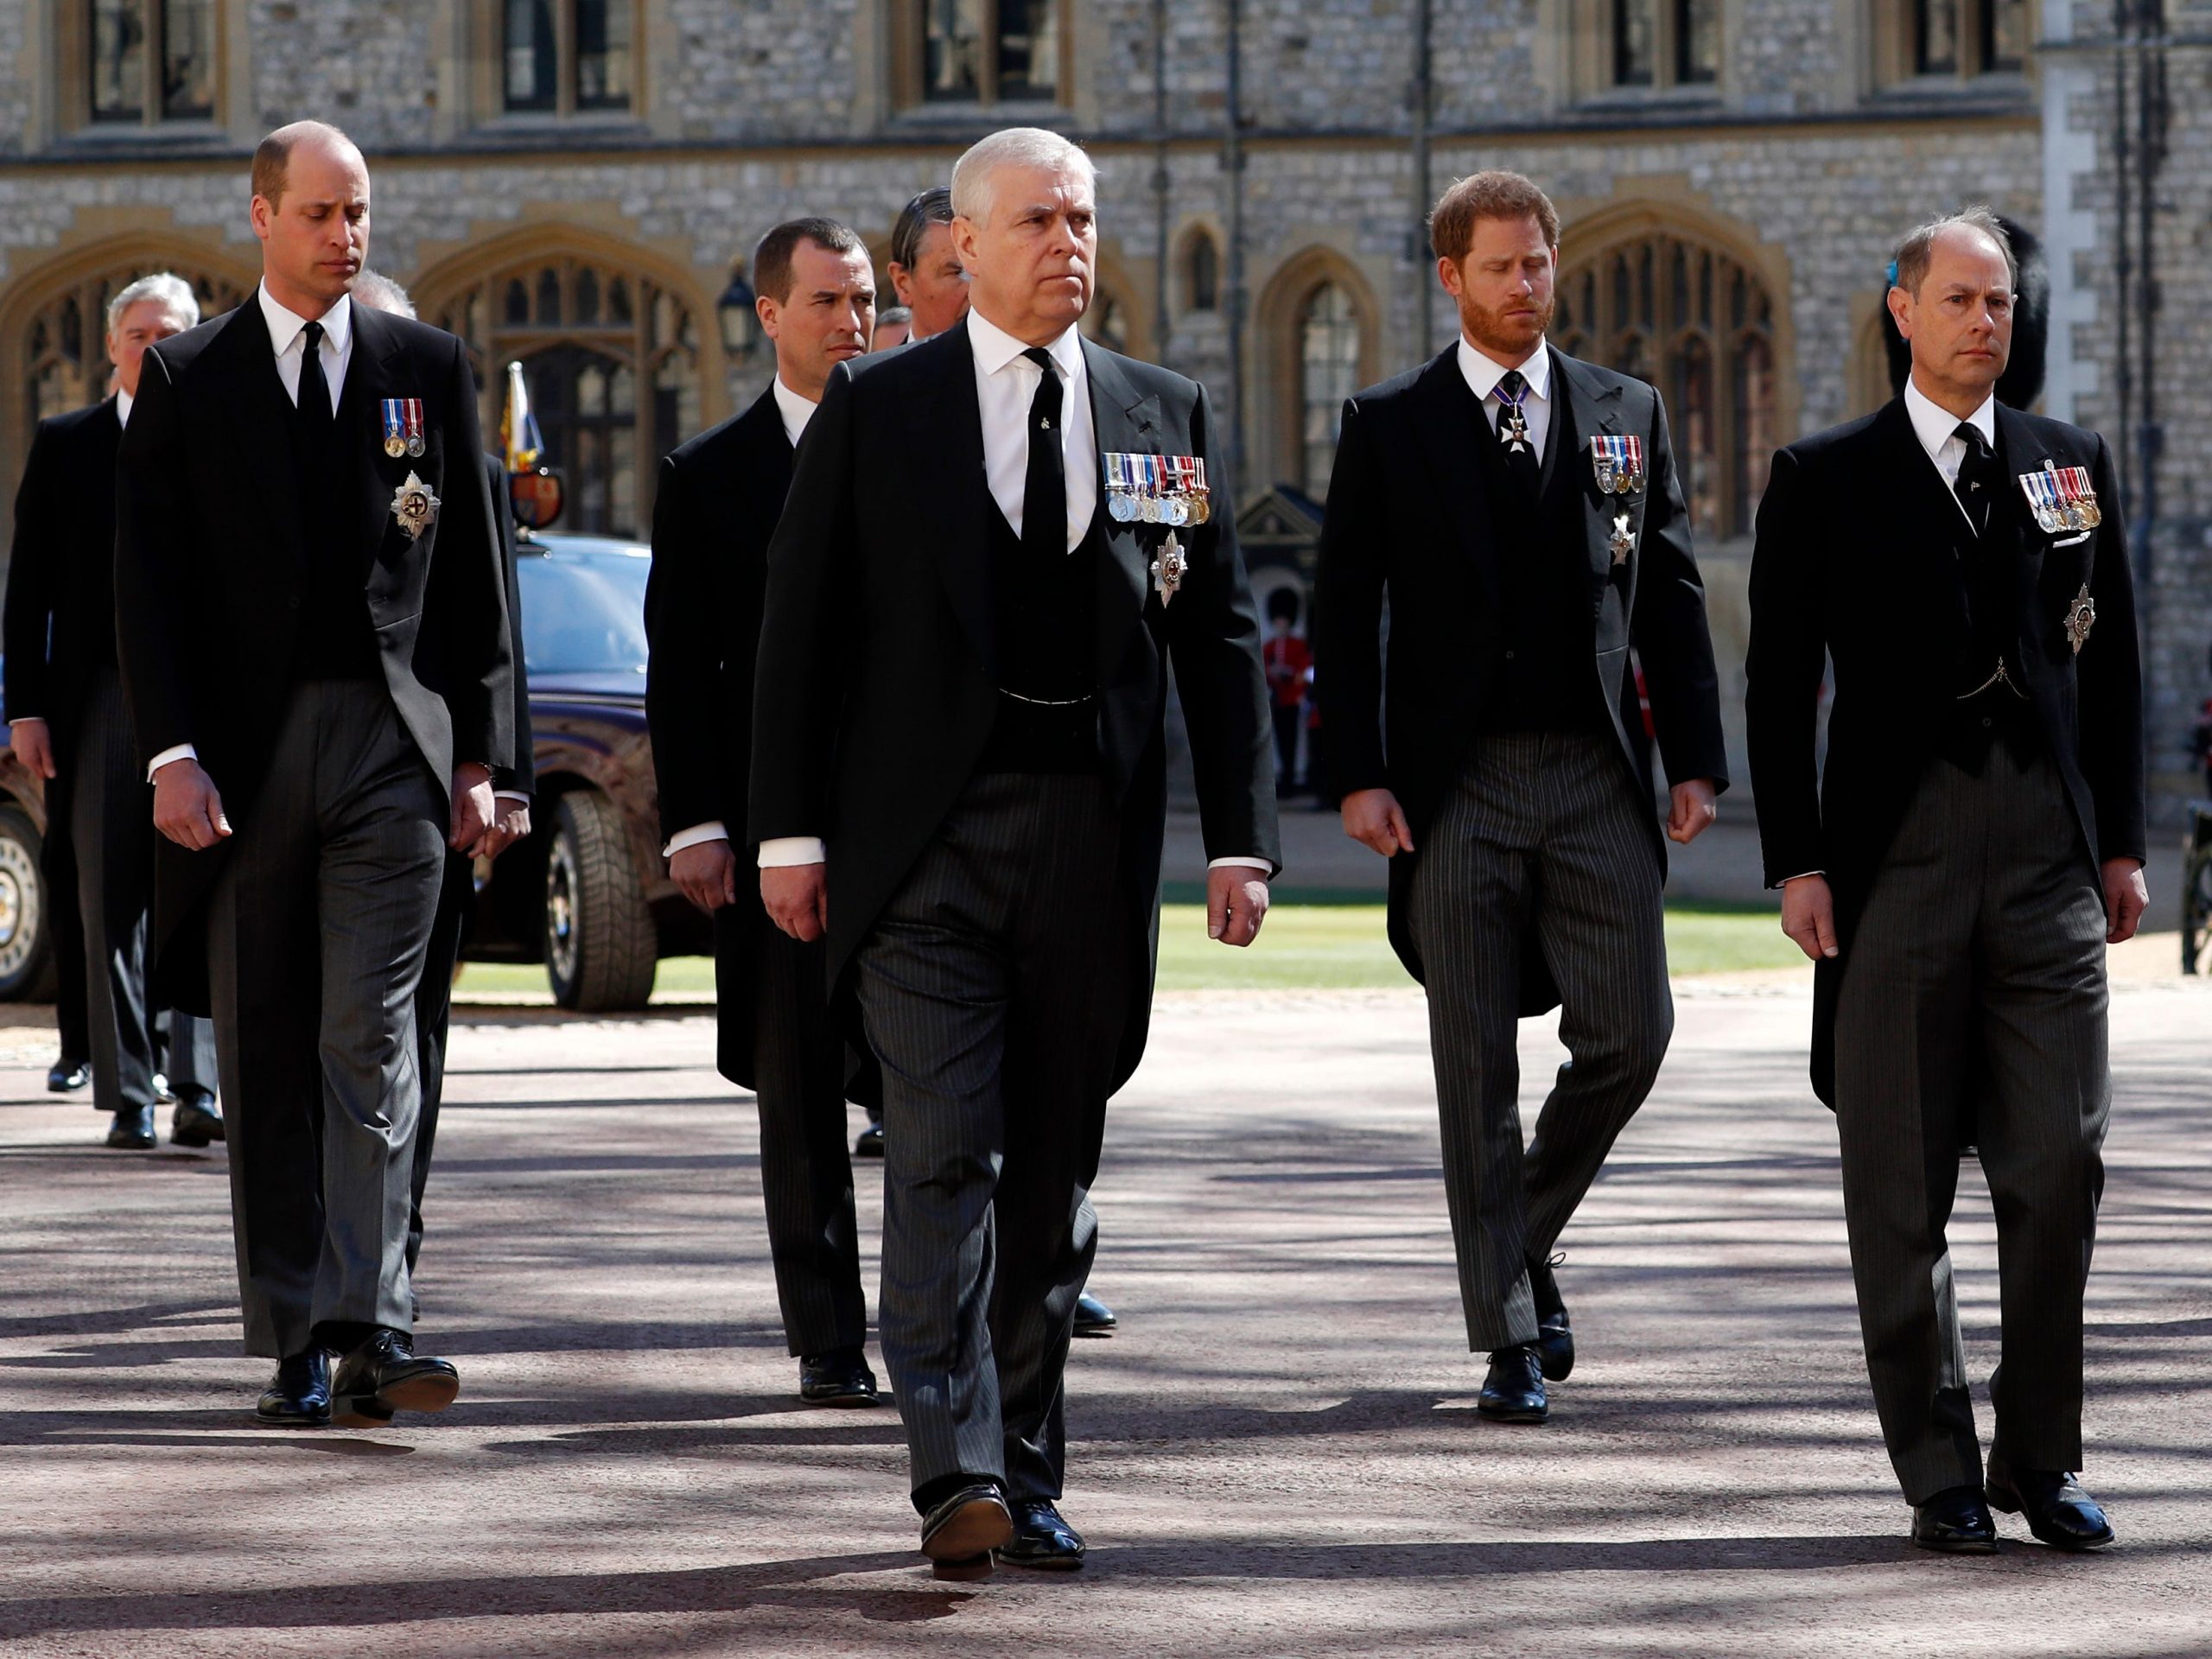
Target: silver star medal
{"x": 2081, "y": 617}
{"x": 1168, "y": 570}
{"x": 415, "y": 506}
{"x": 1623, "y": 540}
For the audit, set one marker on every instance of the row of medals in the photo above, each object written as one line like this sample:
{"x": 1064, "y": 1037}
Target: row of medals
{"x": 1175, "y": 507}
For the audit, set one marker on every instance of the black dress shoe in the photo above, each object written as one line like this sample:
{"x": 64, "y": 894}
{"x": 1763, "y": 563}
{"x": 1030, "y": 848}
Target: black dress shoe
{"x": 868, "y": 1143}
{"x": 840, "y": 1378}
{"x": 197, "y": 1120}
{"x": 67, "y": 1076}
{"x": 1042, "y": 1539}
{"x": 2057, "y": 1510}
{"x": 298, "y": 1397}
{"x": 384, "y": 1376}
{"x": 1093, "y": 1318}
{"x": 1513, "y": 1390}
{"x": 1956, "y": 1521}
{"x": 959, "y": 1534}
{"x": 132, "y": 1129}
{"x": 1554, "y": 1337}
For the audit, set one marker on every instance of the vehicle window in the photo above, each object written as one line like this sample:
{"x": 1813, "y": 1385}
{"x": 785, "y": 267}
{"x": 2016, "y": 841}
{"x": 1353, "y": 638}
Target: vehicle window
{"x": 583, "y": 616}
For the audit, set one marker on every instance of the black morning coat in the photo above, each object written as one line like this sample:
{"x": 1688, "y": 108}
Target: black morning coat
{"x": 720, "y": 497}
{"x": 878, "y": 689}
{"x": 1409, "y": 520}
{"x": 1858, "y": 562}
{"x": 210, "y": 557}
{"x": 58, "y": 625}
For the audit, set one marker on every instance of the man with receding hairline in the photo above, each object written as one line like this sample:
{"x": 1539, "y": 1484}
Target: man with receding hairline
{"x": 1518, "y": 509}
{"x": 312, "y": 631}
{"x": 958, "y": 782}
{"x": 1957, "y": 864}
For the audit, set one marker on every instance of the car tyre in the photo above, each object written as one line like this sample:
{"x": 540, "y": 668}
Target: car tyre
{"x": 26, "y": 967}
{"x": 601, "y": 948}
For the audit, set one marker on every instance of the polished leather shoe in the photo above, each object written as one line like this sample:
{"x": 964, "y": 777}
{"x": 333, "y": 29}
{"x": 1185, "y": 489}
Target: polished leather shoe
{"x": 1513, "y": 1390}
{"x": 1093, "y": 1318}
{"x": 2056, "y": 1508}
{"x": 197, "y": 1120}
{"x": 1554, "y": 1337}
{"x": 959, "y": 1534}
{"x": 67, "y": 1076}
{"x": 298, "y": 1397}
{"x": 1042, "y": 1539}
{"x": 840, "y": 1378}
{"x": 384, "y": 1375}
{"x": 132, "y": 1129}
{"x": 1956, "y": 1521}
{"x": 868, "y": 1143}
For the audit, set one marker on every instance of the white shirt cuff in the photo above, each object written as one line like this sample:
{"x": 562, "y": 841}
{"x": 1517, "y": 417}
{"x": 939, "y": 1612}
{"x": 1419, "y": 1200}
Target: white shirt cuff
{"x": 1800, "y": 877}
{"x": 781, "y": 852}
{"x": 510, "y": 795}
{"x": 181, "y": 752}
{"x": 698, "y": 835}
{"x": 16, "y": 719}
{"x": 1240, "y": 863}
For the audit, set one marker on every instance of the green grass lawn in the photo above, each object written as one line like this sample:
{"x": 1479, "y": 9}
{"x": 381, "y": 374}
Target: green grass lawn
{"x": 1303, "y": 947}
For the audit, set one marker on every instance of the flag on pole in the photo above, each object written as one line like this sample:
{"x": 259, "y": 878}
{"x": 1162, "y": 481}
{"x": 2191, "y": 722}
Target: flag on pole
{"x": 517, "y": 426}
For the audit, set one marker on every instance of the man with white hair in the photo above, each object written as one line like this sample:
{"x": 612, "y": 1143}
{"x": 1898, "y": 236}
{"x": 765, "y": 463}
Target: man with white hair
{"x": 957, "y": 731}
{"x": 68, "y": 726}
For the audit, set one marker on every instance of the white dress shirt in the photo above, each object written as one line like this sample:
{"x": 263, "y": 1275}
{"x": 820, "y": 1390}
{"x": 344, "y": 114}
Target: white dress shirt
{"x": 797, "y": 410}
{"x": 1482, "y": 373}
{"x": 1006, "y": 385}
{"x": 1937, "y": 428}
{"x": 285, "y": 339}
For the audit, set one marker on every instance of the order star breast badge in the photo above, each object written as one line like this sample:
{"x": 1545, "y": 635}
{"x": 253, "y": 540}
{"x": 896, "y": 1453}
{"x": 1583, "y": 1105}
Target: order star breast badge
{"x": 2081, "y": 617}
{"x": 415, "y": 506}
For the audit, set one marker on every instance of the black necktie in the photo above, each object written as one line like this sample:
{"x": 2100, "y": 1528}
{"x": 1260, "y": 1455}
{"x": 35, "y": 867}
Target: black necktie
{"x": 1979, "y": 478}
{"x": 1044, "y": 486}
{"x": 315, "y": 418}
{"x": 1515, "y": 441}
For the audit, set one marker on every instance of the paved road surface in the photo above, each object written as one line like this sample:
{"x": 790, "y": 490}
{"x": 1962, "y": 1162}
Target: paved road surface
{"x": 1277, "y": 1456}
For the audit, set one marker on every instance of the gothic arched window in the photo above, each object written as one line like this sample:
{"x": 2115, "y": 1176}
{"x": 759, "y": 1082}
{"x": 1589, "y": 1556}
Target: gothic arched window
{"x": 1698, "y": 325}
{"x": 611, "y": 361}
{"x": 1328, "y": 373}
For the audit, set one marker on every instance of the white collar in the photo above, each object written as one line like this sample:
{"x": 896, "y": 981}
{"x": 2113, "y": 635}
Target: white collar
{"x": 1483, "y": 371}
{"x": 123, "y": 402}
{"x": 284, "y": 326}
{"x": 796, "y": 410}
{"x": 995, "y": 348}
{"x": 1935, "y": 426}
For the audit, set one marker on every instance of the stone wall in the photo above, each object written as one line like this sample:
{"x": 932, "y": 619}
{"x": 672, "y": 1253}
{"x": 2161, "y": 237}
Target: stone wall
{"x": 755, "y": 110}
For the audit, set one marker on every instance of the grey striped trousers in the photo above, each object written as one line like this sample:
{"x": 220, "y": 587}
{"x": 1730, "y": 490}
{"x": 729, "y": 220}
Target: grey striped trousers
{"x": 1544, "y": 831}
{"x": 991, "y": 987}
{"x": 1973, "y": 991}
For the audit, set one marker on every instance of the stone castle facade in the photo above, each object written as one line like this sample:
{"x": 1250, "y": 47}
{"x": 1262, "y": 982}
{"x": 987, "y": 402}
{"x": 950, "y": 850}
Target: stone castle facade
{"x": 568, "y": 182}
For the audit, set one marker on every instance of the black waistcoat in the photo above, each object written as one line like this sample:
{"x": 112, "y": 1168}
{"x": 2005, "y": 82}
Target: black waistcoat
{"x": 1543, "y": 679}
{"x": 1046, "y": 616}
{"x": 1985, "y": 570}
{"x": 336, "y": 639}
